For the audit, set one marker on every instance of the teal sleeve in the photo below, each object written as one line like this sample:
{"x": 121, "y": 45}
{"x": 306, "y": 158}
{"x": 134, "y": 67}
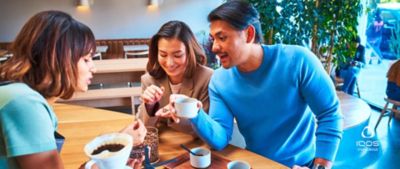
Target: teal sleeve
{"x": 318, "y": 90}
{"x": 27, "y": 126}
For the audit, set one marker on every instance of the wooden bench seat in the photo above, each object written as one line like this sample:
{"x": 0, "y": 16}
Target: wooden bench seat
{"x": 101, "y": 98}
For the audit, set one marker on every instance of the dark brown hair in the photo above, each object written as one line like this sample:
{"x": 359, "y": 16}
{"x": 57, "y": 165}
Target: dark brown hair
{"x": 179, "y": 30}
{"x": 46, "y": 53}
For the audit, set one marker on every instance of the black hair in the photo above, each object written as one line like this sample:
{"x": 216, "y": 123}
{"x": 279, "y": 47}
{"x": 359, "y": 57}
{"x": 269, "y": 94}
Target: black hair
{"x": 239, "y": 15}
{"x": 357, "y": 39}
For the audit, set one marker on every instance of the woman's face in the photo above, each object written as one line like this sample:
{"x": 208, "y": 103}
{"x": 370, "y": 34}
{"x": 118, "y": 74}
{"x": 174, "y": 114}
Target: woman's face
{"x": 172, "y": 58}
{"x": 85, "y": 72}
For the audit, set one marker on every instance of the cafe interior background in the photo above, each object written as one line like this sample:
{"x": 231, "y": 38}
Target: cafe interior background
{"x": 140, "y": 19}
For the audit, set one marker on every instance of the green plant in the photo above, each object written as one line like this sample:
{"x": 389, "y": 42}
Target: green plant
{"x": 326, "y": 27}
{"x": 395, "y": 40}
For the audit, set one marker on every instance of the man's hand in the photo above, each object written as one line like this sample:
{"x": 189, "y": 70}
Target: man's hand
{"x": 326, "y": 163}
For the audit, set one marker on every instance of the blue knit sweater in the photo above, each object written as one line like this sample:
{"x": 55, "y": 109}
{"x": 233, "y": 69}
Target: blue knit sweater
{"x": 287, "y": 109}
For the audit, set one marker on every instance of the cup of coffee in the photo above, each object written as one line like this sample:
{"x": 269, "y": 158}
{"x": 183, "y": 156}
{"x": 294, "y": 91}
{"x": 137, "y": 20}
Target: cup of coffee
{"x": 202, "y": 159}
{"x": 109, "y": 151}
{"x": 186, "y": 107}
{"x": 238, "y": 164}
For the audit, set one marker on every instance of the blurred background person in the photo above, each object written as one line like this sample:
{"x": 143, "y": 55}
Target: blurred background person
{"x": 350, "y": 70}
{"x": 374, "y": 36}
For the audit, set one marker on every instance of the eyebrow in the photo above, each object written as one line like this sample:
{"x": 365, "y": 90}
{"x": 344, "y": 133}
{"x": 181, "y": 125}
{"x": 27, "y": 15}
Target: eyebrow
{"x": 219, "y": 33}
{"x": 175, "y": 52}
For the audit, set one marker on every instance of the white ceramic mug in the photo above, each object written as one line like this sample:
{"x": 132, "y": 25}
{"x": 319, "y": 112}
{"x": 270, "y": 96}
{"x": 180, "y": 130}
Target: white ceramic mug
{"x": 107, "y": 159}
{"x": 186, "y": 107}
{"x": 202, "y": 160}
{"x": 238, "y": 164}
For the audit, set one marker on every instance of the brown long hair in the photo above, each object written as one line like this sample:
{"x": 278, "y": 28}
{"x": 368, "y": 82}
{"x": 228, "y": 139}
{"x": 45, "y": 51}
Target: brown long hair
{"x": 46, "y": 53}
{"x": 393, "y": 74}
{"x": 179, "y": 30}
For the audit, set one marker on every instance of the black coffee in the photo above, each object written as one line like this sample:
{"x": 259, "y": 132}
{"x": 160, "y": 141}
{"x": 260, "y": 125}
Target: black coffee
{"x": 109, "y": 147}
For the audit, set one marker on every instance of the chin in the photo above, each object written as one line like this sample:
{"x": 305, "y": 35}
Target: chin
{"x": 226, "y": 66}
{"x": 82, "y": 89}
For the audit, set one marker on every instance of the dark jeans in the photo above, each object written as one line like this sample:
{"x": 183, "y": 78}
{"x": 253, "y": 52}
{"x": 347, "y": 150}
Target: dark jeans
{"x": 376, "y": 46}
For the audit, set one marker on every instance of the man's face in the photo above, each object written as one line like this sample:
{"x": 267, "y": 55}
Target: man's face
{"x": 229, "y": 44}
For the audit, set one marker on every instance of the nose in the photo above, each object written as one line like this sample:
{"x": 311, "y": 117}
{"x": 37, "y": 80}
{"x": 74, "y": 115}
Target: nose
{"x": 170, "y": 61}
{"x": 215, "y": 47}
{"x": 92, "y": 68}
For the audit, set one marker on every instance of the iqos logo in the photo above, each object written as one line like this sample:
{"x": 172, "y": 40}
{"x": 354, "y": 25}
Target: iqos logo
{"x": 367, "y": 144}
{"x": 367, "y": 132}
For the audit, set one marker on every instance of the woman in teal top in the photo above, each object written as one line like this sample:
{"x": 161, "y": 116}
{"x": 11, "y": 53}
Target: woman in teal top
{"x": 52, "y": 58}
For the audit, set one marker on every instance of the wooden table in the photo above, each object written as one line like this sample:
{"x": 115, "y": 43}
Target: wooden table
{"x": 354, "y": 110}
{"x": 81, "y": 124}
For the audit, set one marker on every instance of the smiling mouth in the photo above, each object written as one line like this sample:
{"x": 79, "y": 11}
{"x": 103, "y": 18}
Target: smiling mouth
{"x": 171, "y": 70}
{"x": 222, "y": 56}
{"x": 89, "y": 81}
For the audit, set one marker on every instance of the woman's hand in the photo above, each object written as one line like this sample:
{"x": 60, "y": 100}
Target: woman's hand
{"x": 135, "y": 163}
{"x": 152, "y": 94}
{"x": 169, "y": 110}
{"x": 137, "y": 130}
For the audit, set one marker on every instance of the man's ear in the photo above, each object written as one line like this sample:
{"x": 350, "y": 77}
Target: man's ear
{"x": 250, "y": 34}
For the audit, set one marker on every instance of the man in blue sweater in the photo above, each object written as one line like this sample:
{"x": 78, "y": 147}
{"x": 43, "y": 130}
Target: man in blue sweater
{"x": 284, "y": 103}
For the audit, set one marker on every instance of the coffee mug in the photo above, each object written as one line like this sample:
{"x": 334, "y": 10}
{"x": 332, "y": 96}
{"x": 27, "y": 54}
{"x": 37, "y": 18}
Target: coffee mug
{"x": 109, "y": 151}
{"x": 186, "y": 107}
{"x": 202, "y": 159}
{"x": 238, "y": 164}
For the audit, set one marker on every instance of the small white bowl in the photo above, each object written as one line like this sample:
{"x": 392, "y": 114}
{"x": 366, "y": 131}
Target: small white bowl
{"x": 202, "y": 161}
